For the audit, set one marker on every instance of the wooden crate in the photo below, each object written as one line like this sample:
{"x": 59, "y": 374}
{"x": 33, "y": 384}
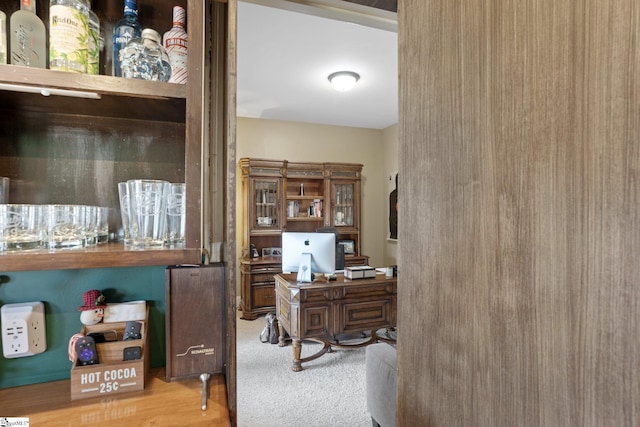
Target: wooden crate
{"x": 112, "y": 375}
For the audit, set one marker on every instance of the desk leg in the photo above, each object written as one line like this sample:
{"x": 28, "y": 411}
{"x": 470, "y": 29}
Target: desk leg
{"x": 281, "y": 331}
{"x": 297, "y": 352}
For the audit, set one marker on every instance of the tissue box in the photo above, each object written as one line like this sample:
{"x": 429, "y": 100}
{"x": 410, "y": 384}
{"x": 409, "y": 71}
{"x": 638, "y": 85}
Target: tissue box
{"x": 360, "y": 272}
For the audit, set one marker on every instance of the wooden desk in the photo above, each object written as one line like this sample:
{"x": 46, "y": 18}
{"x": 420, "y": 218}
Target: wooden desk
{"x": 322, "y": 310}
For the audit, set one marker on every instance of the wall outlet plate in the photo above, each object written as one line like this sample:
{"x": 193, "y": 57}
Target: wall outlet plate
{"x": 23, "y": 329}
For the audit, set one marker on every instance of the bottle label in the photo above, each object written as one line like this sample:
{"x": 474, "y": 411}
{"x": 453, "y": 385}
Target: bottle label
{"x": 28, "y": 40}
{"x": 93, "y": 55}
{"x": 175, "y": 41}
{"x": 68, "y": 39}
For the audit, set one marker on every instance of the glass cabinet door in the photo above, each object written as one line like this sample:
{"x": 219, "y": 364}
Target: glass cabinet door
{"x": 342, "y": 204}
{"x": 266, "y": 198}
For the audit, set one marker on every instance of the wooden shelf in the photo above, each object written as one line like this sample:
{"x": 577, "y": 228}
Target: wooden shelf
{"x": 103, "y": 256}
{"x": 105, "y": 85}
{"x": 305, "y": 197}
{"x": 305, "y": 218}
{"x": 145, "y": 100}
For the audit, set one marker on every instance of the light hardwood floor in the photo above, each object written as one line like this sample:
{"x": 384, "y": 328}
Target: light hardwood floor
{"x": 160, "y": 404}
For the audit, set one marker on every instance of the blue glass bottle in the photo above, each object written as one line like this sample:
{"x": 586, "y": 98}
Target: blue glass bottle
{"x": 124, "y": 31}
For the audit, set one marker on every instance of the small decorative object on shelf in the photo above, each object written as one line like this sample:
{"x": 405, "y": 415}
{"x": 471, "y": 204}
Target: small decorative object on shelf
{"x": 175, "y": 42}
{"x": 92, "y": 310}
{"x": 28, "y": 37}
{"x": 69, "y": 35}
{"x": 125, "y": 30}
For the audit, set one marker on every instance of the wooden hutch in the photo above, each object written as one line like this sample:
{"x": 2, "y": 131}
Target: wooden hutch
{"x": 75, "y": 150}
{"x": 293, "y": 196}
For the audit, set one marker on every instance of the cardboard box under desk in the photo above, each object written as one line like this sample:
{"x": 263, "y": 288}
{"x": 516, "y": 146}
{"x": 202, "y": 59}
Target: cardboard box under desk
{"x": 112, "y": 375}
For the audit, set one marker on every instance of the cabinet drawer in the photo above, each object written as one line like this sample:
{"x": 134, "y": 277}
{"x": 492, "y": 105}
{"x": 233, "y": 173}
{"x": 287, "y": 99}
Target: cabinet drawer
{"x": 359, "y": 316}
{"x": 263, "y": 278}
{"x": 263, "y": 296}
{"x": 316, "y": 321}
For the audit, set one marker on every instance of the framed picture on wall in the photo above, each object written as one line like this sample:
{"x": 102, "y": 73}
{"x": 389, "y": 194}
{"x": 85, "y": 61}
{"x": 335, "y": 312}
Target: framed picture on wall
{"x": 349, "y": 246}
{"x": 393, "y": 207}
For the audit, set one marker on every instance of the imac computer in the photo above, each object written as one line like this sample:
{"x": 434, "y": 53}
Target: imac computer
{"x": 307, "y": 253}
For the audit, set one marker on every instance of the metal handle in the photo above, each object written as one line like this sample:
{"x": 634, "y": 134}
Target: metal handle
{"x": 205, "y": 379}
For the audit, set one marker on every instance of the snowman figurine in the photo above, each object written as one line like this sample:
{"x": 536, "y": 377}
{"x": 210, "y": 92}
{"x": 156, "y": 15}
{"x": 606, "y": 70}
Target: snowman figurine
{"x": 92, "y": 311}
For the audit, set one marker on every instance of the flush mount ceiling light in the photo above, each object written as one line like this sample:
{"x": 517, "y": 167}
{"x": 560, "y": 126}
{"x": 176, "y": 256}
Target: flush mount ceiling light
{"x": 343, "y": 80}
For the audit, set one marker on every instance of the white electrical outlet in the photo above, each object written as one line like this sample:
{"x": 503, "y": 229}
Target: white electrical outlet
{"x": 23, "y": 329}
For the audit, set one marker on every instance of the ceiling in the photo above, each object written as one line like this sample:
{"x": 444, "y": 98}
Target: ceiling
{"x": 286, "y": 50}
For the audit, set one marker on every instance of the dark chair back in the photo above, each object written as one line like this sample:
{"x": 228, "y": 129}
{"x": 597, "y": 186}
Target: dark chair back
{"x": 339, "y": 248}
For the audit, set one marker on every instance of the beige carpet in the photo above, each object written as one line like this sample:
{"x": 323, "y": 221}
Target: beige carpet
{"x": 330, "y": 391}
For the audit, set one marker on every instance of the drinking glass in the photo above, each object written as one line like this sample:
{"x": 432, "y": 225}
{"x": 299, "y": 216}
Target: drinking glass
{"x": 102, "y": 224}
{"x": 125, "y": 213}
{"x": 64, "y": 226}
{"x": 90, "y": 225}
{"x": 20, "y": 227}
{"x": 176, "y": 215}
{"x": 148, "y": 209}
{"x": 4, "y": 189}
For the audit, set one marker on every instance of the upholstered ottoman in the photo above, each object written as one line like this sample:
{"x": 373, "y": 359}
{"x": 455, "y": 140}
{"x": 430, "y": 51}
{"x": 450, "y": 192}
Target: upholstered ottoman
{"x": 380, "y": 363}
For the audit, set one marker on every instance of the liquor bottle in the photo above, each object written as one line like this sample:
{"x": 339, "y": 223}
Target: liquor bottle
{"x": 28, "y": 37}
{"x": 145, "y": 58}
{"x": 3, "y": 38}
{"x": 124, "y": 31}
{"x": 93, "y": 54}
{"x": 175, "y": 42}
{"x": 68, "y": 35}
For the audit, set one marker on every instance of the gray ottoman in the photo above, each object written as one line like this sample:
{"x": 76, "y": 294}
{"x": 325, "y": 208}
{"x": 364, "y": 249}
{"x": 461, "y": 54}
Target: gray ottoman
{"x": 380, "y": 363}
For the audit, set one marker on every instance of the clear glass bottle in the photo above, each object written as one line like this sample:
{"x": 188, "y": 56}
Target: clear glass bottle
{"x": 68, "y": 35}
{"x": 93, "y": 54}
{"x": 28, "y": 36}
{"x": 175, "y": 42}
{"x": 3, "y": 38}
{"x": 145, "y": 58}
{"x": 125, "y": 30}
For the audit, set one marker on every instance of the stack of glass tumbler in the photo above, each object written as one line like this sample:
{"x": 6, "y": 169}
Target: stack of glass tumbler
{"x": 153, "y": 216}
{"x": 153, "y": 213}
{"x": 25, "y": 227}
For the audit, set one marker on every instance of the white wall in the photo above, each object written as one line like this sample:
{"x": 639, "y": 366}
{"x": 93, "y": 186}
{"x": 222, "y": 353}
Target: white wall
{"x": 305, "y": 142}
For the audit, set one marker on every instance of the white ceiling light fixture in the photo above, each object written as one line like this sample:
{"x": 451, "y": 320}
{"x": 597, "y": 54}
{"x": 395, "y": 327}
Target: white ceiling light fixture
{"x": 344, "y": 80}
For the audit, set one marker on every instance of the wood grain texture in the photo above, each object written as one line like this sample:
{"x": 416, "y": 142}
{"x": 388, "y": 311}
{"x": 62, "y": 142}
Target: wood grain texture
{"x": 519, "y": 138}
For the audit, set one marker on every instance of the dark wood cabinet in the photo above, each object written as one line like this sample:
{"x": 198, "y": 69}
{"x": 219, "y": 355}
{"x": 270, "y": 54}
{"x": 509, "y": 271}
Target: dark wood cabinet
{"x": 74, "y": 150}
{"x": 195, "y": 303}
{"x": 282, "y": 196}
{"x": 258, "y": 296}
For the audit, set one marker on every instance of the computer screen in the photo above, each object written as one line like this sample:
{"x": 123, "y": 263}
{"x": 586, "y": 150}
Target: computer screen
{"x": 306, "y": 253}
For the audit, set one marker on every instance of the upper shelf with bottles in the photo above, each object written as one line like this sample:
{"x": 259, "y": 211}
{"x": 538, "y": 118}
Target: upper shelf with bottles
{"x": 94, "y": 111}
{"x": 23, "y": 87}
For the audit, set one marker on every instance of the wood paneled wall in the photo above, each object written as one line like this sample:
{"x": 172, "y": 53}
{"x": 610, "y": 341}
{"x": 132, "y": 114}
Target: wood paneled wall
{"x": 519, "y": 236}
